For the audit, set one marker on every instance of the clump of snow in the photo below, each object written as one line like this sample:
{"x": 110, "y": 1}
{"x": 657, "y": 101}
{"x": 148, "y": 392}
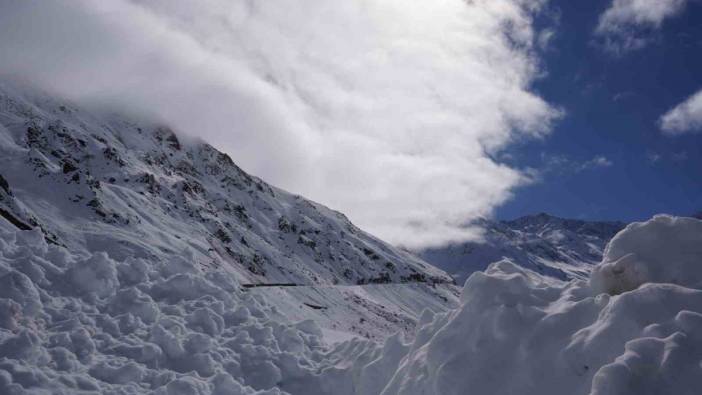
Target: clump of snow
{"x": 94, "y": 277}
{"x": 636, "y": 330}
{"x": 88, "y": 323}
{"x": 663, "y": 250}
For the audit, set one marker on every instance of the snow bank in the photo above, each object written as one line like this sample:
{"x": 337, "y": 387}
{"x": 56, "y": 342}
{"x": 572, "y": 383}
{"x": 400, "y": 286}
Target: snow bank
{"x": 635, "y": 328}
{"x": 74, "y": 324}
{"x": 663, "y": 250}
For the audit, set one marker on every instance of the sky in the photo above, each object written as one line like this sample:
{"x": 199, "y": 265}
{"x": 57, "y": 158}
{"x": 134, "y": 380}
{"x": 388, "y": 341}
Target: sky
{"x": 410, "y": 117}
{"x": 615, "y": 90}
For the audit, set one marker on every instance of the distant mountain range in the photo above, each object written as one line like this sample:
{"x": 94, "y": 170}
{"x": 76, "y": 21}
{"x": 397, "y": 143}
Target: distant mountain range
{"x": 556, "y": 247}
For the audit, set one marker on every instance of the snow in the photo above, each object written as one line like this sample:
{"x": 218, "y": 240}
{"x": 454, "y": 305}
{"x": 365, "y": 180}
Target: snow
{"x": 518, "y": 332}
{"x": 71, "y": 324}
{"x": 642, "y": 255}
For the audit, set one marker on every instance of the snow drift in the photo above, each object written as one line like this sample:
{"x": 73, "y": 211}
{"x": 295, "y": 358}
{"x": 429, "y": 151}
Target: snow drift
{"x": 634, "y": 328}
{"x": 72, "y": 324}
{"x": 663, "y": 250}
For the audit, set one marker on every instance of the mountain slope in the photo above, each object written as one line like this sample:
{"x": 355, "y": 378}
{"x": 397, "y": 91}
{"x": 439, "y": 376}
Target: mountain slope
{"x": 131, "y": 262}
{"x": 556, "y": 247}
{"x": 89, "y": 181}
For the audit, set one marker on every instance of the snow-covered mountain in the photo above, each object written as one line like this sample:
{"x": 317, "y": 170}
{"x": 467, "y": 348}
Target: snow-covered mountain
{"x": 556, "y": 247}
{"x": 131, "y": 260}
{"x": 139, "y": 191}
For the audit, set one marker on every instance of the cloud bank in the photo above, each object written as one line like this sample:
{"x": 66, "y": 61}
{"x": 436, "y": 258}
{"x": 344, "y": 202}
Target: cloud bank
{"x": 685, "y": 117}
{"x": 387, "y": 110}
{"x": 626, "y": 24}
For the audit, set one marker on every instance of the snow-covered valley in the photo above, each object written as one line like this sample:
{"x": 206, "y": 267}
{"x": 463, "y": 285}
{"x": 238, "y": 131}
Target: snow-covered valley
{"x": 135, "y": 261}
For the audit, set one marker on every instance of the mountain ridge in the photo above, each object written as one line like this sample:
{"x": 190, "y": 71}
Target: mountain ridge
{"x": 557, "y": 247}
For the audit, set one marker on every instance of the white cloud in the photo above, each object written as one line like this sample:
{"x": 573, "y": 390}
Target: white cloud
{"x": 387, "y": 110}
{"x": 653, "y": 157}
{"x": 626, "y": 24}
{"x": 545, "y": 38}
{"x": 685, "y": 117}
{"x": 596, "y": 162}
{"x": 561, "y": 164}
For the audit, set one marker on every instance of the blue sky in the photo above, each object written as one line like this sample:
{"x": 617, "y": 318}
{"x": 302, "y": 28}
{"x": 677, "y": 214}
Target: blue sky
{"x": 612, "y": 103}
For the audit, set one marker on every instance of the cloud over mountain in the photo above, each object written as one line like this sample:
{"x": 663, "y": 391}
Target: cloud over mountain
{"x": 386, "y": 110}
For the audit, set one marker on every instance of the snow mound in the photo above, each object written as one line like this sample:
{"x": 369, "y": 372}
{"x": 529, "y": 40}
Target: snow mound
{"x": 636, "y": 330}
{"x": 91, "y": 324}
{"x": 663, "y": 250}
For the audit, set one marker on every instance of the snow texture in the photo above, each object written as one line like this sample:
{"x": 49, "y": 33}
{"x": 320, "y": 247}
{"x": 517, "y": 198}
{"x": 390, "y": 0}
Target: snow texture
{"x": 635, "y": 328}
{"x": 640, "y": 256}
{"x": 145, "y": 329}
{"x": 74, "y": 324}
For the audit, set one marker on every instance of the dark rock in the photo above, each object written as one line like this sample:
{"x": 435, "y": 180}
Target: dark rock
{"x": 14, "y": 220}
{"x": 68, "y": 167}
{"x": 4, "y": 185}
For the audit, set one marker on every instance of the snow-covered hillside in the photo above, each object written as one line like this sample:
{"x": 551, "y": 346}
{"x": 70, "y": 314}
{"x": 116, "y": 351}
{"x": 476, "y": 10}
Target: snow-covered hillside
{"x": 92, "y": 182}
{"x": 138, "y": 191}
{"x": 127, "y": 253}
{"x": 556, "y": 247}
